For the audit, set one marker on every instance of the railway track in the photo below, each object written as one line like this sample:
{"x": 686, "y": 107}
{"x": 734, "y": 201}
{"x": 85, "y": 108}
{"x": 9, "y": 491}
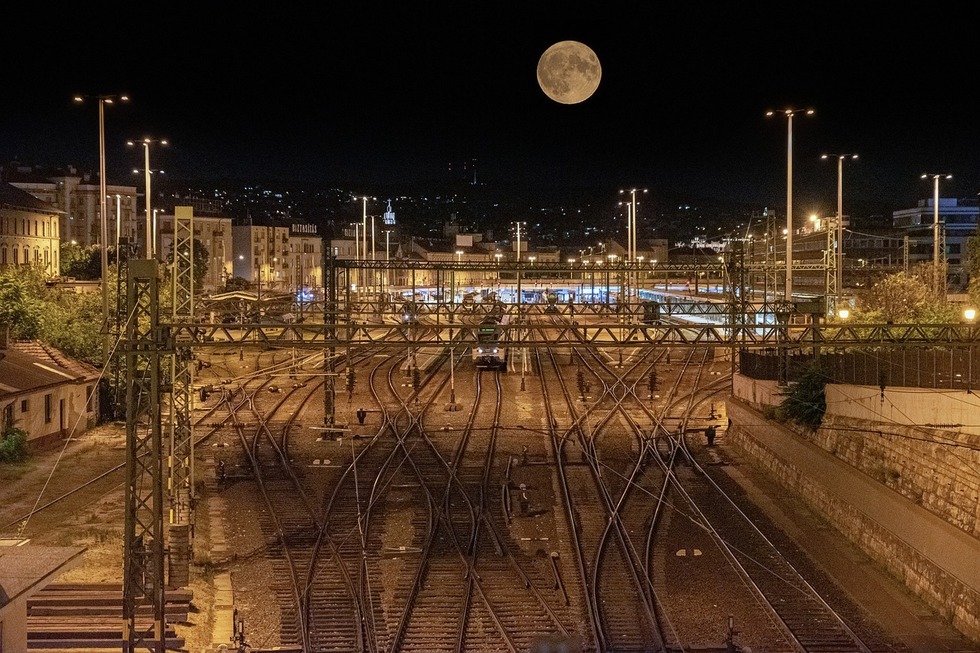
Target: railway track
{"x": 65, "y": 616}
{"x": 586, "y": 516}
{"x": 429, "y": 522}
{"x": 639, "y": 474}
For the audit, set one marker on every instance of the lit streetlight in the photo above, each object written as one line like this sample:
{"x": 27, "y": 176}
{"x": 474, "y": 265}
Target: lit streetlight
{"x": 518, "y": 240}
{"x": 103, "y": 215}
{"x": 386, "y": 279}
{"x": 839, "y": 288}
{"x": 789, "y": 113}
{"x": 118, "y": 223}
{"x": 935, "y": 227}
{"x": 459, "y": 258}
{"x": 631, "y": 221}
{"x": 146, "y": 142}
{"x": 970, "y": 314}
{"x": 155, "y": 211}
{"x": 364, "y": 255}
{"x": 631, "y": 229}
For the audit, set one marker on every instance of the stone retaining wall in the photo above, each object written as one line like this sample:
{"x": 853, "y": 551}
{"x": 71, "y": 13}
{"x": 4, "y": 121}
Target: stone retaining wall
{"x": 935, "y": 469}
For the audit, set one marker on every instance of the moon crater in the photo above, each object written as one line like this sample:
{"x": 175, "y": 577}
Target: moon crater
{"x": 569, "y": 72}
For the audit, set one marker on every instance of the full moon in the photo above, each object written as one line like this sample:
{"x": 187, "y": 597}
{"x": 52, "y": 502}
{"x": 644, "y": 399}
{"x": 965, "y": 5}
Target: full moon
{"x": 569, "y": 72}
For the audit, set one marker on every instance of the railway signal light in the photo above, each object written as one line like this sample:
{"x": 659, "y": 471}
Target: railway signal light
{"x": 351, "y": 381}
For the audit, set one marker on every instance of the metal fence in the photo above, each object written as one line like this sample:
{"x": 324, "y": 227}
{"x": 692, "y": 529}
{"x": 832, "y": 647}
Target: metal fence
{"x": 951, "y": 368}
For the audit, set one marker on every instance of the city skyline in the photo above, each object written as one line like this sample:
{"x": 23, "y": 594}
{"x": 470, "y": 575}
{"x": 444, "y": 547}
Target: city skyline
{"x": 404, "y": 95}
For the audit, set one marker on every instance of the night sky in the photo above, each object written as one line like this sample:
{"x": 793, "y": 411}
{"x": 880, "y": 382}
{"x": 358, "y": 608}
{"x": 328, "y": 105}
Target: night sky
{"x": 379, "y": 94}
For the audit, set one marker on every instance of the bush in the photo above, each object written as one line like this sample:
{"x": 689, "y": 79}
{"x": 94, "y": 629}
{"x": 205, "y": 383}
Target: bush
{"x": 13, "y": 445}
{"x": 806, "y": 402}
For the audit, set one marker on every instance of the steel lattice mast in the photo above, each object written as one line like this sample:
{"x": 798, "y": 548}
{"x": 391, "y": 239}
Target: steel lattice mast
{"x": 181, "y": 460}
{"x": 143, "y": 575}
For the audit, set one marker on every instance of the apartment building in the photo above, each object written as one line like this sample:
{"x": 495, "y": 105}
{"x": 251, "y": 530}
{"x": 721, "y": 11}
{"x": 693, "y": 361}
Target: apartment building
{"x": 76, "y": 196}
{"x": 278, "y": 258}
{"x": 29, "y": 231}
{"x": 213, "y": 233}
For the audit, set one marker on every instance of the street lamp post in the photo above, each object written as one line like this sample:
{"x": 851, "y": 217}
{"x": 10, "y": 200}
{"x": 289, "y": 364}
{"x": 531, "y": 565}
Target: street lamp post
{"x": 520, "y": 319}
{"x": 386, "y": 278}
{"x": 103, "y": 217}
{"x": 118, "y": 224}
{"x": 631, "y": 226}
{"x": 374, "y": 270}
{"x": 155, "y": 211}
{"x": 357, "y": 257}
{"x": 970, "y": 314}
{"x": 518, "y": 241}
{"x": 363, "y": 245}
{"x": 456, "y": 285}
{"x": 939, "y": 270}
{"x": 839, "y": 287}
{"x": 518, "y": 270}
{"x": 149, "y": 209}
{"x": 789, "y": 113}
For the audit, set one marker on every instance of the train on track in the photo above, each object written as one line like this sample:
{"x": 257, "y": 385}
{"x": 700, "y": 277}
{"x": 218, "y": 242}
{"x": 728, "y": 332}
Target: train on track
{"x": 665, "y": 307}
{"x": 490, "y": 350}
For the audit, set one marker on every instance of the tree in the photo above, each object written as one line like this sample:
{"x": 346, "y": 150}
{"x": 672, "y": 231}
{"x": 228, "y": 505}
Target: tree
{"x": 73, "y": 324}
{"x": 201, "y": 258}
{"x": 906, "y": 297}
{"x": 806, "y": 402}
{"x": 21, "y": 302}
{"x": 69, "y": 321}
{"x": 237, "y": 283}
{"x": 973, "y": 268}
{"x": 81, "y": 262}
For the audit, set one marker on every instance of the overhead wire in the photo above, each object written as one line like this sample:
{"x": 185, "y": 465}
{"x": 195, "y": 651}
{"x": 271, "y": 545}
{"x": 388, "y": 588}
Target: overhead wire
{"x": 74, "y": 429}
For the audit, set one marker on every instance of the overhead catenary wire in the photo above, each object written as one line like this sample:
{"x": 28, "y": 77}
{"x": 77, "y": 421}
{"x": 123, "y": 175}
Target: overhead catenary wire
{"x": 71, "y": 433}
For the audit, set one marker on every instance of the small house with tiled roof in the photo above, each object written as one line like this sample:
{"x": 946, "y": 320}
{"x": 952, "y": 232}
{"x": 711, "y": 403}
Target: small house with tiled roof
{"x": 46, "y": 393}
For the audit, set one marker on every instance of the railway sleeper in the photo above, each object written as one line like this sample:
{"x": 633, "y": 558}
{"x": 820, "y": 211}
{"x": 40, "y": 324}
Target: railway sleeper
{"x": 172, "y": 643}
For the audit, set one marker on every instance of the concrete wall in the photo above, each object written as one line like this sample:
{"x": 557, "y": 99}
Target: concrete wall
{"x": 907, "y": 494}
{"x": 949, "y": 410}
{"x": 46, "y": 430}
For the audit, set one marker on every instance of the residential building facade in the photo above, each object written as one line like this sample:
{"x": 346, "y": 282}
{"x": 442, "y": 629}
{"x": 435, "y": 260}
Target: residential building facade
{"x": 304, "y": 269}
{"x": 76, "y": 196}
{"x": 213, "y": 233}
{"x": 278, "y": 258}
{"x": 29, "y": 231}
